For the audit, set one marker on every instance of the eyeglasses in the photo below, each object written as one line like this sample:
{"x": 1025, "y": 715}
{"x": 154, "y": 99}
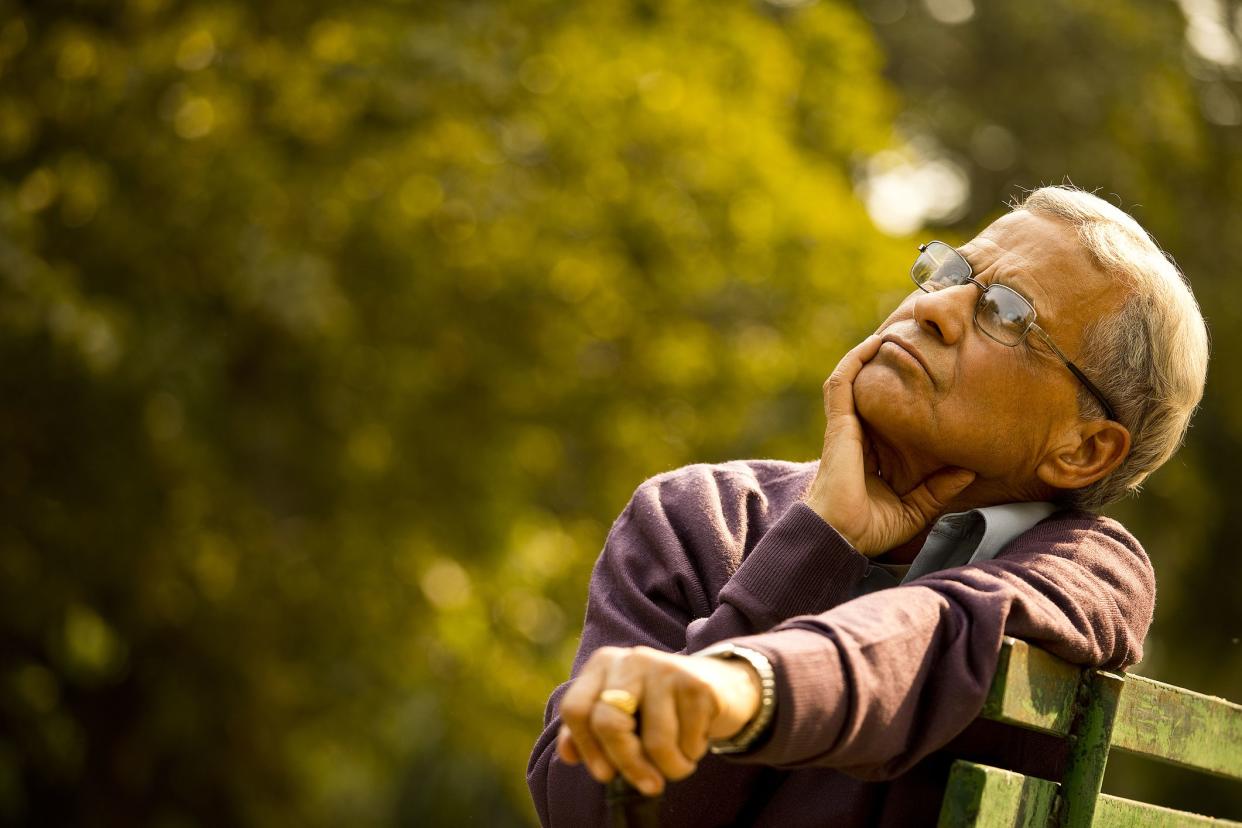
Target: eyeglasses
{"x": 1002, "y": 313}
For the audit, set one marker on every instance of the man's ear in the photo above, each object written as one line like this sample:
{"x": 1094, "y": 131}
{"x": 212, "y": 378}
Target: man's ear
{"x": 1089, "y": 452}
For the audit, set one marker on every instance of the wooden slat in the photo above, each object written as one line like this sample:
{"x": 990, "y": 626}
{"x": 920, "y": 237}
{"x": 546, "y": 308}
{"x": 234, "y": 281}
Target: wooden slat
{"x": 978, "y": 795}
{"x": 1115, "y": 812}
{"x": 1089, "y": 744}
{"x": 1179, "y": 726}
{"x": 1032, "y": 689}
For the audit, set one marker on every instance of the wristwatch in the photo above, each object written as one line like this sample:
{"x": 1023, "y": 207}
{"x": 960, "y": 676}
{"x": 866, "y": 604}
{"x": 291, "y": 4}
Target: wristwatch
{"x": 745, "y": 738}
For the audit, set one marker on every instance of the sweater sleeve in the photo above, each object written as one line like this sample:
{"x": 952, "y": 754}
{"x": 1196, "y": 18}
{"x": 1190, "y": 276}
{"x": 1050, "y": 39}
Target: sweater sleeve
{"x": 874, "y": 685}
{"x": 675, "y": 575}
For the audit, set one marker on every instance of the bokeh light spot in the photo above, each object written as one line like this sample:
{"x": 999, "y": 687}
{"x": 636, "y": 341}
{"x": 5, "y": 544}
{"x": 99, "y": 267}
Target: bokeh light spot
{"x": 196, "y": 51}
{"x": 37, "y": 190}
{"x": 78, "y": 59}
{"x": 950, "y": 12}
{"x": 446, "y": 584}
{"x": 195, "y": 118}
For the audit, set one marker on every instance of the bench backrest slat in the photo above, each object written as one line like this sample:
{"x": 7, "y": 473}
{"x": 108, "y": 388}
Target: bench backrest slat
{"x": 983, "y": 796}
{"x": 1179, "y": 726}
{"x": 1115, "y": 812}
{"x": 1032, "y": 689}
{"x": 1096, "y": 711}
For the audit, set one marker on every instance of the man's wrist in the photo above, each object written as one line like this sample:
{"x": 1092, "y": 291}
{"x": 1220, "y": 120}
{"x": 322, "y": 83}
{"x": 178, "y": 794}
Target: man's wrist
{"x": 762, "y": 674}
{"x": 824, "y": 515}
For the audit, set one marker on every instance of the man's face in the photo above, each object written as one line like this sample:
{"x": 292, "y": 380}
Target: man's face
{"x": 946, "y": 394}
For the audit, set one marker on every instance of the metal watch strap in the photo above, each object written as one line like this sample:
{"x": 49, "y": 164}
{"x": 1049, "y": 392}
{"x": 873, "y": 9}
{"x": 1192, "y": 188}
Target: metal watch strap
{"x": 744, "y": 738}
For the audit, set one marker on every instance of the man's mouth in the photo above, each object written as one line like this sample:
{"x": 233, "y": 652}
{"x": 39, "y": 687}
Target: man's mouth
{"x": 910, "y": 351}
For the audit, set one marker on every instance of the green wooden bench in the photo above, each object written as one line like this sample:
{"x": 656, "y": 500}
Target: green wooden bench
{"x": 1097, "y": 711}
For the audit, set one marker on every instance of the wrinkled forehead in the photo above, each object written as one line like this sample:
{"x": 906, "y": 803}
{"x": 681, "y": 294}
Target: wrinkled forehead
{"x": 1031, "y": 241}
{"x": 1042, "y": 257}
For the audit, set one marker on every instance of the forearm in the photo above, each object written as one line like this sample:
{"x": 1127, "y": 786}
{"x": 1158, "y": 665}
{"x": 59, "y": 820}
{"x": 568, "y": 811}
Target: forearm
{"x": 801, "y": 566}
{"x": 654, "y": 579}
{"x": 876, "y": 684}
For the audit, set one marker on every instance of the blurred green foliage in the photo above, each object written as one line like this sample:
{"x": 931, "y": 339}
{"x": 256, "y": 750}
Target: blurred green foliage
{"x": 333, "y": 336}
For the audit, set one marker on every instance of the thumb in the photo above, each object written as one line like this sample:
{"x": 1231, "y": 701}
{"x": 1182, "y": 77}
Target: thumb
{"x": 929, "y": 498}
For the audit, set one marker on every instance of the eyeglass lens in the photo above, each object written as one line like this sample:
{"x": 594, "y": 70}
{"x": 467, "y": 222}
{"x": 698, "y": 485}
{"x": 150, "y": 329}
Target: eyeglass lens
{"x": 1003, "y": 314}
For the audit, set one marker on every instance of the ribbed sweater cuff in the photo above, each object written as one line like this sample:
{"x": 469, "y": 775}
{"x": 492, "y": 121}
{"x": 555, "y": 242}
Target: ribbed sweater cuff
{"x": 801, "y": 566}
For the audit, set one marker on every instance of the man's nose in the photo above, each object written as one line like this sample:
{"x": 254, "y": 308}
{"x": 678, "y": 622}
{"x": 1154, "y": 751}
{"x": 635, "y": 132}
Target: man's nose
{"x": 946, "y": 313}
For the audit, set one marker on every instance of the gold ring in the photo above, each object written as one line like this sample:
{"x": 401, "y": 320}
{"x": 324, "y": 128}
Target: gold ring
{"x": 623, "y": 700}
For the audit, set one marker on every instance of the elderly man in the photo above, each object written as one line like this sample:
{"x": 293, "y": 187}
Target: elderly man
{"x": 853, "y": 609}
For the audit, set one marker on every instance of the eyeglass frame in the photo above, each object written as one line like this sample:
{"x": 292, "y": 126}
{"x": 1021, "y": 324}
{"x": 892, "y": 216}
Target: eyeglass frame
{"x": 1032, "y": 326}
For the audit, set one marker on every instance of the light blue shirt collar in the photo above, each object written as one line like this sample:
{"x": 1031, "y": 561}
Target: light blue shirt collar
{"x": 964, "y": 538}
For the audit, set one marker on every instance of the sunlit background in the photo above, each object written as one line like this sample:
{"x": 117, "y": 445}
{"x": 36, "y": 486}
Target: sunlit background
{"x": 334, "y": 335}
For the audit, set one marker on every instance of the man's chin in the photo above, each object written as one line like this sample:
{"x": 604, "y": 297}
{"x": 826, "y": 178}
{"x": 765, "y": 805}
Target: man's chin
{"x": 887, "y": 406}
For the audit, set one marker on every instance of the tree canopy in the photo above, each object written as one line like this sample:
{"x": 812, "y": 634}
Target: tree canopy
{"x": 333, "y": 336}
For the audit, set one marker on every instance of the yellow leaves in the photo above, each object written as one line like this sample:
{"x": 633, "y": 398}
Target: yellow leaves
{"x": 751, "y": 215}
{"x": 196, "y": 51}
{"x": 13, "y": 38}
{"x": 164, "y": 417}
{"x": 90, "y": 645}
{"x": 78, "y": 58}
{"x": 661, "y": 91}
{"x": 454, "y": 221}
{"x": 523, "y": 137}
{"x": 37, "y": 190}
{"x": 37, "y": 687}
{"x": 766, "y": 359}
{"x": 540, "y": 74}
{"x": 333, "y": 41}
{"x": 194, "y": 118}
{"x": 420, "y": 195}
{"x": 446, "y": 584}
{"x": 86, "y": 186}
{"x": 370, "y": 449}
{"x": 537, "y": 618}
{"x": 607, "y": 180}
{"x": 80, "y": 184}
{"x": 574, "y": 277}
{"x": 215, "y": 566}
{"x": 18, "y": 127}
{"x": 365, "y": 178}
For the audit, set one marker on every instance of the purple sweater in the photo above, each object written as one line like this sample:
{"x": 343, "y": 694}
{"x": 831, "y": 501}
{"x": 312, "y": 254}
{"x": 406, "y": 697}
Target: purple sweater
{"x": 869, "y": 690}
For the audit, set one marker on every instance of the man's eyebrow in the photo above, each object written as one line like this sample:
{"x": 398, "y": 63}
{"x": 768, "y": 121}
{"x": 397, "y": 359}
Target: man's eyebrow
{"x": 1004, "y": 272}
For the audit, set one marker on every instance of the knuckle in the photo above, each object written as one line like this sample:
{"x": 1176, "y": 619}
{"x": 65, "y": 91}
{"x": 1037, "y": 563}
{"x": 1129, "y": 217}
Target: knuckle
{"x": 683, "y": 770}
{"x": 607, "y": 725}
{"x": 604, "y": 654}
{"x": 692, "y": 686}
{"x": 658, "y": 745}
{"x": 644, "y": 657}
{"x": 693, "y": 748}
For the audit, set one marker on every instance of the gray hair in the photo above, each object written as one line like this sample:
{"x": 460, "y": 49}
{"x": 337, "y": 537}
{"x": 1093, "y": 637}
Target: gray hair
{"x": 1149, "y": 358}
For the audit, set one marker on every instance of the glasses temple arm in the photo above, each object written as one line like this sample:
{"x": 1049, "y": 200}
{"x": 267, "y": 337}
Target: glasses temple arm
{"x": 1090, "y": 386}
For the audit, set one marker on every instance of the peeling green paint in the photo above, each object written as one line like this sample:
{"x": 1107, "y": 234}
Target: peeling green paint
{"x": 984, "y": 796}
{"x": 1115, "y": 812}
{"x": 1032, "y": 689}
{"x": 1095, "y": 711}
{"x": 1181, "y": 727}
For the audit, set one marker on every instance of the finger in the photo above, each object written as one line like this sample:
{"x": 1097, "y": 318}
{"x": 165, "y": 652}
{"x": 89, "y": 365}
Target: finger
{"x": 614, "y": 730}
{"x": 565, "y": 747}
{"x": 695, "y": 709}
{"x": 930, "y": 498}
{"x": 576, "y": 709}
{"x": 661, "y": 730}
{"x": 839, "y": 389}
